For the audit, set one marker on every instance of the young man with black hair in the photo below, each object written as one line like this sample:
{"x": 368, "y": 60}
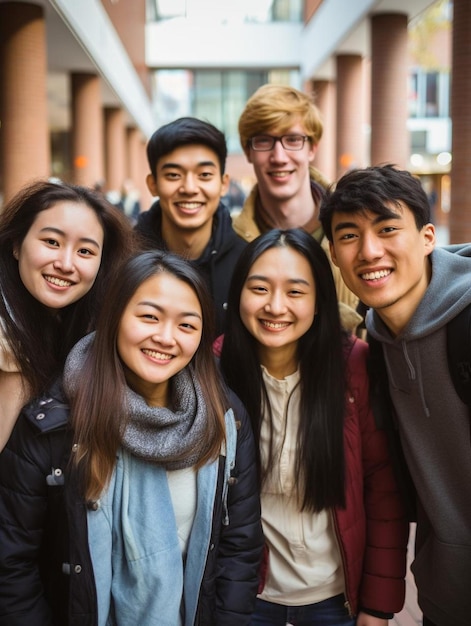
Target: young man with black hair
{"x": 187, "y": 159}
{"x": 378, "y": 224}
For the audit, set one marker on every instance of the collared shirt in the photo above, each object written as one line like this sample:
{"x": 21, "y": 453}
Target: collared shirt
{"x": 305, "y": 565}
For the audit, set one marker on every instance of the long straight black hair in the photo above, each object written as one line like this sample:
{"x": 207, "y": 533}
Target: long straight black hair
{"x": 320, "y": 464}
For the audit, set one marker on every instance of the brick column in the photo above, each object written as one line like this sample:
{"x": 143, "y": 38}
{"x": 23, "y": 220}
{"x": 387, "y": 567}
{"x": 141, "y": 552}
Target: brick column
{"x": 350, "y": 98}
{"x": 324, "y": 92}
{"x": 115, "y": 148}
{"x": 87, "y": 129}
{"x": 24, "y": 132}
{"x": 138, "y": 168}
{"x": 460, "y": 212}
{"x": 389, "y": 69}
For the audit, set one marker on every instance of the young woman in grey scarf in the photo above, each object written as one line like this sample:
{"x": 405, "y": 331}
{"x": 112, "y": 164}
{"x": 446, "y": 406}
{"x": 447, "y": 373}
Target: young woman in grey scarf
{"x": 161, "y": 487}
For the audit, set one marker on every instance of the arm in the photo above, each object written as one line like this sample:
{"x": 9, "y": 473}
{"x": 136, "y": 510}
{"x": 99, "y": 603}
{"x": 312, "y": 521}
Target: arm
{"x": 23, "y": 509}
{"x": 383, "y": 586}
{"x": 13, "y": 395}
{"x": 368, "y": 620}
{"x": 241, "y": 542}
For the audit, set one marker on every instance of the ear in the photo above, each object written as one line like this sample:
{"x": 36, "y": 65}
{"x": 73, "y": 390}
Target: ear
{"x": 428, "y": 232}
{"x": 312, "y": 152}
{"x": 225, "y": 184}
{"x": 152, "y": 184}
{"x": 16, "y": 251}
{"x": 247, "y": 152}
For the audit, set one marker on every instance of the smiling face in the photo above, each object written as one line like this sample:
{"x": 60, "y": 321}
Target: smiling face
{"x": 277, "y": 304}
{"x": 384, "y": 260}
{"x": 158, "y": 335}
{"x": 189, "y": 184}
{"x": 283, "y": 174}
{"x": 60, "y": 256}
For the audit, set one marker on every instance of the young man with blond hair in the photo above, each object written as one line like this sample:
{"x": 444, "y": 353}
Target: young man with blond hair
{"x": 279, "y": 130}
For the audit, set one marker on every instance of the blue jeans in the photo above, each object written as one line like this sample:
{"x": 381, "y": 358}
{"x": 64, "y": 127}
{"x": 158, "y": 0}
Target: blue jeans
{"x": 331, "y": 612}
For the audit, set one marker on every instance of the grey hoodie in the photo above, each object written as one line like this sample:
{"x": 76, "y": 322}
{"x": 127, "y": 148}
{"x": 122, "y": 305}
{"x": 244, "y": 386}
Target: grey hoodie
{"x": 434, "y": 426}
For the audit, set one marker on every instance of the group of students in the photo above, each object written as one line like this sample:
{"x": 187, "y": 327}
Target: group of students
{"x": 186, "y": 458}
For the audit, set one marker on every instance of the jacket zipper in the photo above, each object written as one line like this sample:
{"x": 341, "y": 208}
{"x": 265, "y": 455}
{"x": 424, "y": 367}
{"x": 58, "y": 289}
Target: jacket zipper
{"x": 347, "y": 603}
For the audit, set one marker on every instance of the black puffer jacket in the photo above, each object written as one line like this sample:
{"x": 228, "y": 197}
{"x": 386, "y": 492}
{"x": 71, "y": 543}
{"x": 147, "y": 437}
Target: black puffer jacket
{"x": 217, "y": 261}
{"x": 46, "y": 576}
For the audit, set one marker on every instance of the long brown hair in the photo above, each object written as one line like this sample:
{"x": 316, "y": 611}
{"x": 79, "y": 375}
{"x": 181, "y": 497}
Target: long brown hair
{"x": 99, "y": 412}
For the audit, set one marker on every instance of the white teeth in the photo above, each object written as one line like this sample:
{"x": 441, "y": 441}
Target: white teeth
{"x": 376, "y": 275}
{"x": 158, "y": 355}
{"x": 189, "y": 205}
{"x": 280, "y": 174}
{"x": 274, "y": 325}
{"x": 58, "y": 281}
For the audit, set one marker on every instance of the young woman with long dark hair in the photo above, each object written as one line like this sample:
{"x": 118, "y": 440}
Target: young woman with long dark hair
{"x": 333, "y": 520}
{"x": 58, "y": 246}
{"x": 161, "y": 505}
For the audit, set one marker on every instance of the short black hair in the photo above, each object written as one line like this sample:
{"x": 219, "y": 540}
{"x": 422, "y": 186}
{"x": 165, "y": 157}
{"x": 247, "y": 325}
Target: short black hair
{"x": 182, "y": 132}
{"x": 370, "y": 189}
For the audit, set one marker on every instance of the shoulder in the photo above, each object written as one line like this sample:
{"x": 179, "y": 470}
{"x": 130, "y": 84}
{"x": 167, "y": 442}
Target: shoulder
{"x": 244, "y": 224}
{"x": 227, "y": 239}
{"x": 148, "y": 218}
{"x": 48, "y": 412}
{"x": 356, "y": 358}
{"x": 37, "y": 443}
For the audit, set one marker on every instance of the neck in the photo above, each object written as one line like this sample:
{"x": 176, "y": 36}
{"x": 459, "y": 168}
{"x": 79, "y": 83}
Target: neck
{"x": 188, "y": 243}
{"x": 280, "y": 362}
{"x": 398, "y": 315}
{"x": 295, "y": 212}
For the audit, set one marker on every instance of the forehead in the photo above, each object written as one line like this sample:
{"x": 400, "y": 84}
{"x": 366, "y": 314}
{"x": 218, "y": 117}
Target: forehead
{"x": 68, "y": 214}
{"x": 399, "y": 212}
{"x": 293, "y": 127}
{"x": 188, "y": 157}
{"x": 282, "y": 263}
{"x": 164, "y": 287}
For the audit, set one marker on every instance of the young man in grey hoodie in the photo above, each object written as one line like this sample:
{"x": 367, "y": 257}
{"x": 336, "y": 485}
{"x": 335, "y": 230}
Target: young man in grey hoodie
{"x": 378, "y": 224}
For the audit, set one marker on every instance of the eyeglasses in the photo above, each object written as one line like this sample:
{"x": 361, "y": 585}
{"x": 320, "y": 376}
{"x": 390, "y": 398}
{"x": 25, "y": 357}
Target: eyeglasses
{"x": 264, "y": 143}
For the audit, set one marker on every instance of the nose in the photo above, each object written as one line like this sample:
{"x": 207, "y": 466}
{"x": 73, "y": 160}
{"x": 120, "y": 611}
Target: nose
{"x": 189, "y": 184}
{"x": 371, "y": 247}
{"x": 276, "y": 305}
{"x": 278, "y": 153}
{"x": 64, "y": 261}
{"x": 164, "y": 335}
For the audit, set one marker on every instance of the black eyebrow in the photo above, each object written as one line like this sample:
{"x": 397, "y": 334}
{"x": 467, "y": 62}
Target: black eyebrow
{"x": 177, "y": 166}
{"x": 290, "y": 280}
{"x": 156, "y": 306}
{"x": 60, "y": 232}
{"x": 378, "y": 219}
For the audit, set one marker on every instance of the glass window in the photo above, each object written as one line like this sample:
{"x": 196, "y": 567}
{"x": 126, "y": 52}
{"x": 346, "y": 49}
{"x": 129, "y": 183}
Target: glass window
{"x": 213, "y": 95}
{"x": 228, "y": 10}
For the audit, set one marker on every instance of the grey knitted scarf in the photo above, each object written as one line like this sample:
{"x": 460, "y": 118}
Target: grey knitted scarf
{"x": 173, "y": 438}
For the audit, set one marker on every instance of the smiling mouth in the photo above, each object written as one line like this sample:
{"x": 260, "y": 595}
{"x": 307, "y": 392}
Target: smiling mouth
{"x": 375, "y": 275}
{"x": 59, "y": 282}
{"x": 283, "y": 174}
{"x": 189, "y": 206}
{"x": 274, "y": 325}
{"x": 157, "y": 355}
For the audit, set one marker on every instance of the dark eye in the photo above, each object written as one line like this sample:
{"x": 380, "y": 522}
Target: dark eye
{"x": 52, "y": 242}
